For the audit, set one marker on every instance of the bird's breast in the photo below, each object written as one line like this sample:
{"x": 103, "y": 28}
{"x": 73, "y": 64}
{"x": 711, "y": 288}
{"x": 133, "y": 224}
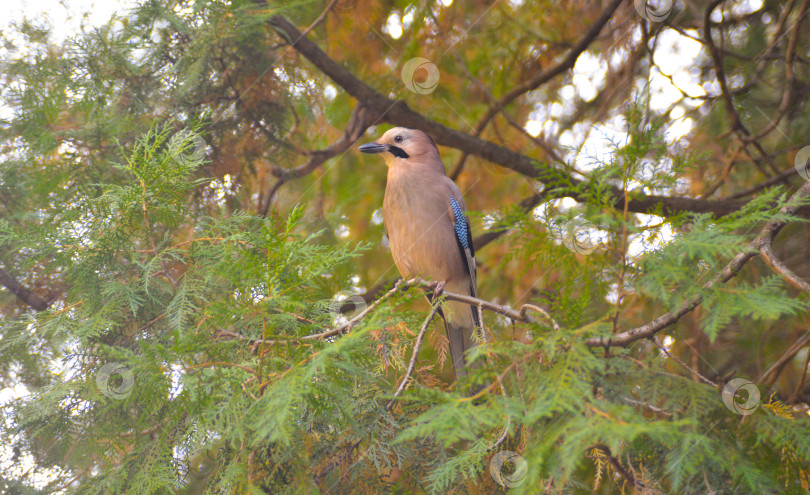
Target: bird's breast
{"x": 420, "y": 232}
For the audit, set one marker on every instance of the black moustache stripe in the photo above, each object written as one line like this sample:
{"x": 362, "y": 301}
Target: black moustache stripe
{"x": 398, "y": 152}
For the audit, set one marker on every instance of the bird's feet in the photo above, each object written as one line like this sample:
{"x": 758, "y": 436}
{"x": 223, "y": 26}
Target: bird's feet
{"x": 438, "y": 288}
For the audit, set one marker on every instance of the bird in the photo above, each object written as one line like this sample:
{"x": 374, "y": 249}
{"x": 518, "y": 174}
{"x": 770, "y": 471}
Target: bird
{"x": 429, "y": 233}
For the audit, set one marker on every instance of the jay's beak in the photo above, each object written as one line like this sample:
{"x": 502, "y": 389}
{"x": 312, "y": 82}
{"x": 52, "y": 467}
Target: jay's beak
{"x": 373, "y": 148}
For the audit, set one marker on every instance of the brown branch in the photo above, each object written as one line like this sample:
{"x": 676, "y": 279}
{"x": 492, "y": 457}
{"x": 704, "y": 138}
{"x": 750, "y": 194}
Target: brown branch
{"x": 565, "y": 64}
{"x": 765, "y": 237}
{"x": 790, "y": 78}
{"x": 520, "y": 315}
{"x": 397, "y": 112}
{"x": 526, "y": 205}
{"x": 358, "y": 123}
{"x": 736, "y": 122}
{"x": 779, "y": 267}
{"x": 25, "y": 295}
{"x": 782, "y": 361}
{"x": 762, "y": 185}
{"x": 679, "y": 361}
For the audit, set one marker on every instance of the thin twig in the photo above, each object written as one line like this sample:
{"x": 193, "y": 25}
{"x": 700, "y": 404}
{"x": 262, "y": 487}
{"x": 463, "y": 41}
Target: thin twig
{"x": 782, "y": 361}
{"x": 650, "y": 407}
{"x": 540, "y": 310}
{"x": 403, "y": 285}
{"x": 736, "y": 122}
{"x": 679, "y": 361}
{"x": 779, "y": 267}
{"x": 416, "y": 346}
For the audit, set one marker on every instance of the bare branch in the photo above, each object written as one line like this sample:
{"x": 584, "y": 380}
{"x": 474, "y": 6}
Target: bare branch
{"x": 779, "y": 267}
{"x": 403, "y": 285}
{"x": 679, "y": 361}
{"x": 560, "y": 183}
{"x": 765, "y": 237}
{"x": 769, "y": 376}
{"x": 358, "y": 123}
{"x": 552, "y": 72}
{"x": 27, "y": 296}
{"x": 736, "y": 122}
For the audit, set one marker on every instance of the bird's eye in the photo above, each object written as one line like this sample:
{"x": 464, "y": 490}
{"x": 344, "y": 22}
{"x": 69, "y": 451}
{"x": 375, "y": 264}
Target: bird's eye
{"x": 398, "y": 139}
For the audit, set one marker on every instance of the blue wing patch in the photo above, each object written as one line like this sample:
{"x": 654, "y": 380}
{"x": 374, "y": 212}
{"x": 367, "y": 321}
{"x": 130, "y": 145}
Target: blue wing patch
{"x": 460, "y": 224}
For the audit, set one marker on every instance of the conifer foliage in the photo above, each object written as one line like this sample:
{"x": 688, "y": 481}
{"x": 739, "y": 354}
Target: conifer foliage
{"x": 197, "y": 295}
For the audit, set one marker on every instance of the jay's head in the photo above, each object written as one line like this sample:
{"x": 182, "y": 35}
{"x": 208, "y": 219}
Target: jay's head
{"x": 402, "y": 144}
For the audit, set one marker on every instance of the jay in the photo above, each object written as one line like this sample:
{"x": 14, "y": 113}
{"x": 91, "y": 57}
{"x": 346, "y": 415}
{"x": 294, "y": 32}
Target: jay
{"x": 429, "y": 234}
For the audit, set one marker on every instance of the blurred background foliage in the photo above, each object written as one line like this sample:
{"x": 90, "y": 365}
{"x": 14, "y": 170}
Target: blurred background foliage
{"x": 180, "y": 182}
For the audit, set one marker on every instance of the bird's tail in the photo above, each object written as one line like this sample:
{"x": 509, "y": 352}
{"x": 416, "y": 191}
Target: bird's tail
{"x": 464, "y": 332}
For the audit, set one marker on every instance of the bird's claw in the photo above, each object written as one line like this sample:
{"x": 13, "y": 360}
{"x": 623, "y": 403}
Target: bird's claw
{"x": 438, "y": 288}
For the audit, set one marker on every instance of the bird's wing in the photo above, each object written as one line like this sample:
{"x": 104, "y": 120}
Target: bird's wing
{"x": 461, "y": 226}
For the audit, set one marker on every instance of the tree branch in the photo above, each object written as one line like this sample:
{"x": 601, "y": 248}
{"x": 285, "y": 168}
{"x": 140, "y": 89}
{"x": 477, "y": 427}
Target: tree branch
{"x": 779, "y": 267}
{"x": 736, "y": 122}
{"x": 565, "y": 64}
{"x": 765, "y": 238}
{"x": 358, "y": 123}
{"x": 26, "y": 295}
{"x": 520, "y": 315}
{"x": 776, "y": 367}
{"x": 558, "y": 182}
